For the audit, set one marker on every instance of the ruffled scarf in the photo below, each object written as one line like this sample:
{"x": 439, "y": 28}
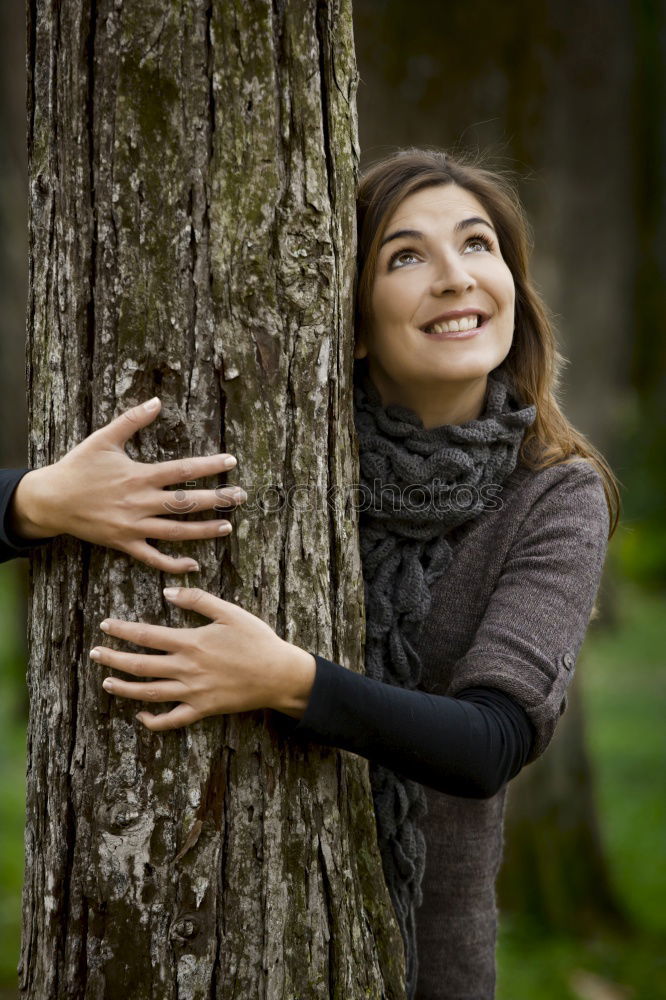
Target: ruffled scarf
{"x": 417, "y": 485}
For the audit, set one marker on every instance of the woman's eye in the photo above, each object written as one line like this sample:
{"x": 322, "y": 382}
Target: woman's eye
{"x": 400, "y": 253}
{"x": 482, "y": 239}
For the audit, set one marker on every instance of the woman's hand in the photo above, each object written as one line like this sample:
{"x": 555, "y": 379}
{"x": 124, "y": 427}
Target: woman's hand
{"x": 97, "y": 493}
{"x": 235, "y": 664}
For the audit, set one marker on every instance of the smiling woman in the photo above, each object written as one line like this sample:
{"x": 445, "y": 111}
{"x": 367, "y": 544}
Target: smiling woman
{"x": 430, "y": 357}
{"x": 475, "y": 610}
{"x": 482, "y": 548}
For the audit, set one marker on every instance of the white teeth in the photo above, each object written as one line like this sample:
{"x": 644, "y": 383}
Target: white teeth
{"x": 455, "y": 325}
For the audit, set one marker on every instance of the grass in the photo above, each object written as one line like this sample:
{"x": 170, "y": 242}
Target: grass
{"x": 536, "y": 967}
{"x": 12, "y": 772}
{"x": 12, "y": 806}
{"x": 624, "y": 682}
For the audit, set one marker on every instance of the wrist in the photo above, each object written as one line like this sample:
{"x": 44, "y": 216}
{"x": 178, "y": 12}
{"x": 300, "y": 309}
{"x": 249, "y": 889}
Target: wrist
{"x": 25, "y": 517}
{"x": 296, "y": 681}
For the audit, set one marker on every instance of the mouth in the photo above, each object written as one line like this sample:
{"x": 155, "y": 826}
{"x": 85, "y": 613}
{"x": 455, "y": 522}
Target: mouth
{"x": 461, "y": 329}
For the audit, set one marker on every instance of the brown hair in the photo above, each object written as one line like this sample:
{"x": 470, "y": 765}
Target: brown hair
{"x": 534, "y": 362}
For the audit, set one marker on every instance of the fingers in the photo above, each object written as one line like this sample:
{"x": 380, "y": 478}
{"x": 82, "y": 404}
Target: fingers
{"x": 151, "y": 556}
{"x": 121, "y": 429}
{"x": 140, "y": 664}
{"x": 154, "y": 636}
{"x": 187, "y": 501}
{"x": 151, "y": 691}
{"x": 182, "y": 715}
{"x": 182, "y": 470}
{"x": 181, "y": 531}
{"x": 195, "y": 599}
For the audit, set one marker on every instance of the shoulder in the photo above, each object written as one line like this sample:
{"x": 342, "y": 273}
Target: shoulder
{"x": 571, "y": 491}
{"x": 574, "y": 473}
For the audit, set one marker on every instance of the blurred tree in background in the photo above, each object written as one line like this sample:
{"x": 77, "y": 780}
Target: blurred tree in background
{"x": 14, "y": 243}
{"x": 642, "y": 443}
{"x": 13, "y": 294}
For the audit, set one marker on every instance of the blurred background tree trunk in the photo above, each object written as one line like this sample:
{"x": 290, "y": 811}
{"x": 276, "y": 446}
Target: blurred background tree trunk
{"x": 14, "y": 244}
{"x": 192, "y": 172}
{"x": 554, "y": 866}
{"x": 557, "y": 104}
{"x": 13, "y": 294}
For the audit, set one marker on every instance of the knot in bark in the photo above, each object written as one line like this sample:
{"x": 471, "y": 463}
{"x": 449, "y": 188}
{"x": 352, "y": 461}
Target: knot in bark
{"x": 184, "y": 928}
{"x": 122, "y": 815}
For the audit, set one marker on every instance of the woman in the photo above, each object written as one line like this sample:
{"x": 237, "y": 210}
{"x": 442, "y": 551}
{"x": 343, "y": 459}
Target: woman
{"x": 483, "y": 529}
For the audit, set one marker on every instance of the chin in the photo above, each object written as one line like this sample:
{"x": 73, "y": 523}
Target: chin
{"x": 462, "y": 372}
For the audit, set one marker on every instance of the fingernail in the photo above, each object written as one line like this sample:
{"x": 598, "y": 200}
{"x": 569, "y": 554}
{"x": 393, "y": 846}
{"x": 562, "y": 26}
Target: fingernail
{"x": 104, "y": 626}
{"x": 152, "y": 404}
{"x": 171, "y": 592}
{"x": 238, "y": 493}
{"x": 107, "y": 684}
{"x": 94, "y": 654}
{"x": 192, "y": 567}
{"x": 229, "y": 462}
{"x": 225, "y": 528}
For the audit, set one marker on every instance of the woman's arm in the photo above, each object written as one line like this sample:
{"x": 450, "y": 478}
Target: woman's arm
{"x": 503, "y": 702}
{"x": 518, "y": 667}
{"x": 98, "y": 494}
{"x": 468, "y": 746}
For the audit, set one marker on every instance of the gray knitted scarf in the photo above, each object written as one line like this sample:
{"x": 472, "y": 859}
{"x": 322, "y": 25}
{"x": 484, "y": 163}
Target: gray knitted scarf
{"x": 403, "y": 551}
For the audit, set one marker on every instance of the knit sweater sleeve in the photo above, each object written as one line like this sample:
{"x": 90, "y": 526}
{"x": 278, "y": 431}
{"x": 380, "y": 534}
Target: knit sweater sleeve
{"x": 469, "y": 746}
{"x": 537, "y": 616}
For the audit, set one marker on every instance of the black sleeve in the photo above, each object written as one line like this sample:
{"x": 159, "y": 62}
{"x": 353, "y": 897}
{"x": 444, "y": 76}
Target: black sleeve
{"x": 11, "y": 545}
{"x": 470, "y": 745}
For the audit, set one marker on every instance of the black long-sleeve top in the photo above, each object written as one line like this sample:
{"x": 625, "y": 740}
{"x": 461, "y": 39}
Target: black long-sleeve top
{"x": 11, "y": 545}
{"x": 468, "y": 745}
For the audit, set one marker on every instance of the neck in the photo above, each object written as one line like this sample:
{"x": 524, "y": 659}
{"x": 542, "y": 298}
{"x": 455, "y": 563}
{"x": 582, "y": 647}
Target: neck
{"x": 435, "y": 404}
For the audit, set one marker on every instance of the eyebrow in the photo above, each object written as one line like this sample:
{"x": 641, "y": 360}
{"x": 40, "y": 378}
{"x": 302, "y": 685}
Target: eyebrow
{"x": 414, "y": 234}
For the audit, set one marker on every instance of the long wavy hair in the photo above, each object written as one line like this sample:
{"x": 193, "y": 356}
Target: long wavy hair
{"x": 534, "y": 362}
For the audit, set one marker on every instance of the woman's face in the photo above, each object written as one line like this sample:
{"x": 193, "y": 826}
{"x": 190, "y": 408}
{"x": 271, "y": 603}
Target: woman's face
{"x": 440, "y": 254}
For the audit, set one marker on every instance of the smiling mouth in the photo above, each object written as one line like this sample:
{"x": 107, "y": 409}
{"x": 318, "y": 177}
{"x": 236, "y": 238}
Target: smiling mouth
{"x": 456, "y": 328}
{"x": 455, "y": 325}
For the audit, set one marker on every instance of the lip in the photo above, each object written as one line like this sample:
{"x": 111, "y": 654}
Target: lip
{"x": 460, "y": 334}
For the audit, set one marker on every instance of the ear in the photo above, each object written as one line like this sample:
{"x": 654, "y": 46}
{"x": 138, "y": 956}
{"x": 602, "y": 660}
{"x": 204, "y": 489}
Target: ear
{"x": 360, "y": 350}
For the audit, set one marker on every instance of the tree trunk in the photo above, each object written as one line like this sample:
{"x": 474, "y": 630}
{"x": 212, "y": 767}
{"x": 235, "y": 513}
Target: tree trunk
{"x": 192, "y": 172}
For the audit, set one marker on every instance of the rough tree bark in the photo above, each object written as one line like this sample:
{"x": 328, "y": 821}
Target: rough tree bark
{"x": 192, "y": 170}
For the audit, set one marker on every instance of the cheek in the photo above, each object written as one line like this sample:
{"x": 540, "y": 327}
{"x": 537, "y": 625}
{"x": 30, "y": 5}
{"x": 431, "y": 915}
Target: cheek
{"x": 385, "y": 337}
{"x": 506, "y": 288}
{"x": 395, "y": 302}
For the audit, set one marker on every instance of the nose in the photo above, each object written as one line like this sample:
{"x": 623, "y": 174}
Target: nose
{"x": 452, "y": 275}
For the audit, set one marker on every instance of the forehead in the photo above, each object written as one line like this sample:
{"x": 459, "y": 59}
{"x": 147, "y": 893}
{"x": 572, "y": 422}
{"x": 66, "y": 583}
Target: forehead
{"x": 437, "y": 206}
